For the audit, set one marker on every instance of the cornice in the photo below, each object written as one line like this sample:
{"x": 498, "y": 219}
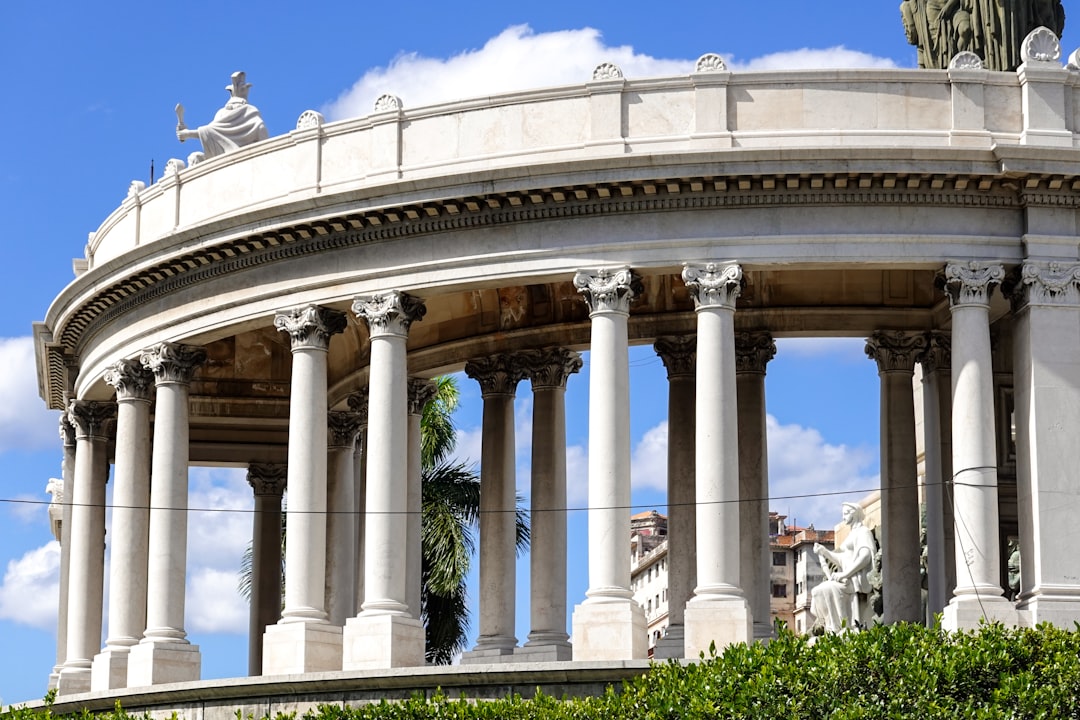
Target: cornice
{"x": 192, "y": 266}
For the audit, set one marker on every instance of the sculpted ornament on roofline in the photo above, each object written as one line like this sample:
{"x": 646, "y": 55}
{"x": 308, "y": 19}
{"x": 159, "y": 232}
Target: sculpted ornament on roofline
{"x": 387, "y": 103}
{"x": 966, "y": 60}
{"x": 710, "y": 62}
{"x": 309, "y": 119}
{"x": 607, "y": 71}
{"x": 608, "y": 289}
{"x": 1041, "y": 46}
{"x": 714, "y": 284}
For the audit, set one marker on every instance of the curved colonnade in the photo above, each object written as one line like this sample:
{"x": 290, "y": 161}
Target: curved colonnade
{"x": 281, "y": 307}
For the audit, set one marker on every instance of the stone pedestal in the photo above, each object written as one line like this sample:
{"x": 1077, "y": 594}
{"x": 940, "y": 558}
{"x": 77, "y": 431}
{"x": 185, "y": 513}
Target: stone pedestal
{"x": 610, "y": 631}
{"x": 301, "y": 647}
{"x": 163, "y": 662}
{"x": 716, "y": 623}
{"x": 374, "y": 642}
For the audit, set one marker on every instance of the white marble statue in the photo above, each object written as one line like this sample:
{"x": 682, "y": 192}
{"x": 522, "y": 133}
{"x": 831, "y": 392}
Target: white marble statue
{"x": 836, "y": 602}
{"x": 234, "y": 126}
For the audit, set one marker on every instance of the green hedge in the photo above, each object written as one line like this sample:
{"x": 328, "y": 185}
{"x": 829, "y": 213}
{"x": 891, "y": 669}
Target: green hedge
{"x": 897, "y": 671}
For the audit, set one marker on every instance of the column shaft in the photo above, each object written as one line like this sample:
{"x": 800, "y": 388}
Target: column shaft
{"x": 268, "y": 484}
{"x": 67, "y": 435}
{"x": 341, "y": 518}
{"x": 420, "y": 392}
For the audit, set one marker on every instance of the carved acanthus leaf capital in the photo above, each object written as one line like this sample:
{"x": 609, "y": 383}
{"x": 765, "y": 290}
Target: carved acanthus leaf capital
{"x": 753, "y": 350}
{"x": 92, "y": 419}
{"x": 389, "y": 313}
{"x": 267, "y": 478}
{"x": 1046, "y": 284}
{"x": 938, "y": 352}
{"x": 173, "y": 362}
{"x": 678, "y": 353}
{"x": 67, "y": 431}
{"x": 358, "y": 403}
{"x": 713, "y": 285}
{"x": 895, "y": 350}
{"x": 131, "y": 380}
{"x": 342, "y": 428}
{"x": 971, "y": 283}
{"x": 497, "y": 374}
{"x": 549, "y": 368}
{"x": 420, "y": 392}
{"x": 310, "y": 327}
{"x": 608, "y": 290}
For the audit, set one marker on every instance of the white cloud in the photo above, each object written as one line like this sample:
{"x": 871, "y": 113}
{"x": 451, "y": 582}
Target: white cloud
{"x": 648, "y": 463}
{"x": 519, "y": 59}
{"x": 577, "y": 476}
{"x": 25, "y": 423}
{"x": 30, "y": 590}
{"x": 213, "y": 605}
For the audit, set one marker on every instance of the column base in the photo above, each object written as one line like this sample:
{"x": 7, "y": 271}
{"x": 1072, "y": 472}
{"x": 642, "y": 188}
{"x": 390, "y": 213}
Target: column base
{"x": 484, "y": 656}
{"x": 1059, "y": 606}
{"x": 610, "y": 631}
{"x": 547, "y": 651}
{"x": 301, "y": 647}
{"x": 156, "y": 663}
{"x": 967, "y": 612}
{"x": 377, "y": 642}
{"x": 715, "y": 622}
{"x": 54, "y": 677}
{"x": 110, "y": 669}
{"x": 761, "y": 630}
{"x": 73, "y": 680}
{"x": 672, "y": 645}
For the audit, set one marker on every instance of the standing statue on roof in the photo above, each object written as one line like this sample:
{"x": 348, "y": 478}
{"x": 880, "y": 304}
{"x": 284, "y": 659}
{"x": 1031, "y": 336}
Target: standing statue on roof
{"x": 236, "y": 125}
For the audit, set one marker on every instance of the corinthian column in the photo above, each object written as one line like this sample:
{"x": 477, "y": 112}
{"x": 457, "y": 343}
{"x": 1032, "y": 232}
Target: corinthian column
{"x": 420, "y": 393}
{"x": 358, "y": 404}
{"x": 609, "y": 625}
{"x": 937, "y": 461}
{"x": 268, "y": 484}
{"x": 164, "y": 654}
{"x": 1046, "y": 347}
{"x": 895, "y": 354}
{"x": 718, "y": 612}
{"x": 978, "y": 591}
{"x": 678, "y": 356}
{"x": 67, "y": 472}
{"x": 385, "y": 634}
{"x": 498, "y": 376}
{"x": 753, "y": 350}
{"x": 130, "y": 523}
{"x": 93, "y": 424}
{"x": 343, "y": 428}
{"x": 303, "y": 640}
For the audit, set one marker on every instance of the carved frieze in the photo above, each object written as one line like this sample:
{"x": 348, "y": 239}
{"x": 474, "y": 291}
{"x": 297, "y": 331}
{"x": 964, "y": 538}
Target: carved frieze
{"x": 131, "y": 380}
{"x": 549, "y": 368}
{"x": 713, "y": 284}
{"x": 92, "y": 419}
{"x": 608, "y": 290}
{"x": 390, "y": 313}
{"x": 971, "y": 283}
{"x": 267, "y": 478}
{"x": 310, "y": 326}
{"x": 497, "y": 374}
{"x": 678, "y": 353}
{"x": 895, "y": 350}
{"x": 420, "y": 392}
{"x": 173, "y": 362}
{"x": 753, "y": 350}
{"x": 342, "y": 428}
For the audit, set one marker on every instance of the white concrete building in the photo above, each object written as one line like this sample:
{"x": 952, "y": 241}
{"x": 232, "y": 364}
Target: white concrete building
{"x": 233, "y": 310}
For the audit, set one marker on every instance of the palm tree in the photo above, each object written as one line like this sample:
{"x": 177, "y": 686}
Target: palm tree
{"x": 449, "y": 520}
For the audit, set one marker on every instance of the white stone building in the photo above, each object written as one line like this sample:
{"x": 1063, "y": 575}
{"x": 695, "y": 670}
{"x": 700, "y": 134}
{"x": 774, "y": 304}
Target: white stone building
{"x": 281, "y": 306}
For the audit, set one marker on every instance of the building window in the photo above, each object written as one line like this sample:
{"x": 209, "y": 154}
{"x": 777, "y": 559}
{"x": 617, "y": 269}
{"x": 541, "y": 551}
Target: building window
{"x": 779, "y": 558}
{"x": 779, "y": 590}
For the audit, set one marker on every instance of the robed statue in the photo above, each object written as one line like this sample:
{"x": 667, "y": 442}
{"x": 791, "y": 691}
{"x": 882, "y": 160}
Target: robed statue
{"x": 841, "y": 602}
{"x": 992, "y": 29}
{"x": 234, "y": 126}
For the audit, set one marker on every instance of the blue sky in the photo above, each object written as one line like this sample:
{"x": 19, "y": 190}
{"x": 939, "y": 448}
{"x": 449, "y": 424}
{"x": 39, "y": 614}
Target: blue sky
{"x": 90, "y": 91}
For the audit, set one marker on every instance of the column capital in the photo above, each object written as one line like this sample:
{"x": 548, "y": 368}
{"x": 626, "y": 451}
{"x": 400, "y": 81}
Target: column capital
{"x": 342, "y": 428}
{"x": 713, "y": 285}
{"x": 938, "y": 352}
{"x": 358, "y": 403}
{"x": 1044, "y": 283}
{"x": 551, "y": 367}
{"x": 678, "y": 353}
{"x": 895, "y": 350}
{"x": 608, "y": 290}
{"x": 389, "y": 313}
{"x": 420, "y": 392}
{"x": 173, "y": 362}
{"x": 310, "y": 326}
{"x": 131, "y": 380}
{"x": 753, "y": 350}
{"x": 91, "y": 419}
{"x": 970, "y": 283}
{"x": 267, "y": 478}
{"x": 497, "y": 374}
{"x": 67, "y": 431}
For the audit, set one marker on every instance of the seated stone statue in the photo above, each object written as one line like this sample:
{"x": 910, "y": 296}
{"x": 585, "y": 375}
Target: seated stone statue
{"x": 837, "y": 601}
{"x": 234, "y": 126}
